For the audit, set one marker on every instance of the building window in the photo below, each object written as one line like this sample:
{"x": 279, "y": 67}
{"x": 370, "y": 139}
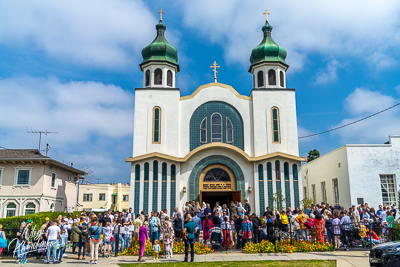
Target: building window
{"x": 155, "y": 170}
{"x": 87, "y": 197}
{"x": 156, "y": 125}
{"x": 53, "y": 179}
{"x": 286, "y": 171}
{"x": 314, "y": 193}
{"x": 304, "y": 192}
{"x": 203, "y": 131}
{"x": 69, "y": 177}
{"x": 260, "y": 78}
{"x": 30, "y": 208}
{"x": 260, "y": 172}
{"x": 275, "y": 125}
{"x": 125, "y": 198}
{"x": 169, "y": 78}
{"x": 335, "y": 185}
{"x": 216, "y": 175}
{"x": 137, "y": 172}
{"x": 295, "y": 174}
{"x": 216, "y": 127}
{"x": 158, "y": 77}
{"x": 11, "y": 209}
{"x": 387, "y": 188}
{"x": 282, "y": 80}
{"x": 271, "y": 77}
{"x": 323, "y": 192}
{"x": 229, "y": 131}
{"x": 164, "y": 171}
{"x": 1, "y": 175}
{"x": 146, "y": 171}
{"x": 52, "y": 207}
{"x": 23, "y": 177}
{"x": 269, "y": 171}
{"x": 278, "y": 170}
{"x": 102, "y": 197}
{"x": 147, "y": 78}
{"x": 76, "y": 179}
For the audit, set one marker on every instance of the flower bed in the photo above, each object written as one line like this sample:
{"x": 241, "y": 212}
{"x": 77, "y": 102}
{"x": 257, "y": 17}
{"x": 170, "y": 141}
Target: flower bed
{"x": 178, "y": 248}
{"x": 286, "y": 246}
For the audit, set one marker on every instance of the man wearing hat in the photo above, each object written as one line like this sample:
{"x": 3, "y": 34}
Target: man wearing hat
{"x": 25, "y": 241}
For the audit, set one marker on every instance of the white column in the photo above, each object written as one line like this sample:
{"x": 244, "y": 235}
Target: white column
{"x": 132, "y": 189}
{"x": 141, "y": 187}
{"x": 282, "y": 179}
{"x": 178, "y": 187}
{"x": 169, "y": 189}
{"x": 159, "y": 194}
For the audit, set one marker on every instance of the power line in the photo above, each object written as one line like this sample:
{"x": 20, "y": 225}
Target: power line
{"x": 348, "y": 124}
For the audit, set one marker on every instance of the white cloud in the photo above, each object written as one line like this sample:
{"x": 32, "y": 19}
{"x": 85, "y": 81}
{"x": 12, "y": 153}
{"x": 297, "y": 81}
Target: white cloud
{"x": 326, "y": 27}
{"x": 75, "y": 109}
{"x": 98, "y": 33}
{"x": 361, "y": 103}
{"x": 93, "y": 120}
{"x": 328, "y": 75}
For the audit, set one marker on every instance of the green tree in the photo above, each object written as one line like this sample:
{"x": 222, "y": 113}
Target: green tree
{"x": 313, "y": 154}
{"x": 278, "y": 200}
{"x": 306, "y": 203}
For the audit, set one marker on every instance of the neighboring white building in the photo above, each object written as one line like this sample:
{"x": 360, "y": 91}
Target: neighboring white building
{"x": 31, "y": 182}
{"x": 215, "y": 144}
{"x": 355, "y": 174}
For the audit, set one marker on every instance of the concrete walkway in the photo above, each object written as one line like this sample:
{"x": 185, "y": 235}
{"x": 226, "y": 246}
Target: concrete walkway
{"x": 343, "y": 258}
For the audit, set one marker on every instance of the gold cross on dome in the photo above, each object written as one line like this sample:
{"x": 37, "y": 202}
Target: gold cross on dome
{"x": 266, "y": 15}
{"x": 161, "y": 12}
{"x": 214, "y": 67}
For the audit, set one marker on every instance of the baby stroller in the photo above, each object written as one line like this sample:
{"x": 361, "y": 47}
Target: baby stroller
{"x": 216, "y": 237}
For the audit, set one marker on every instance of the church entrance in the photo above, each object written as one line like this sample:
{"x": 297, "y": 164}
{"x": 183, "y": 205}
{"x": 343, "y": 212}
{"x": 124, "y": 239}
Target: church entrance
{"x": 217, "y": 184}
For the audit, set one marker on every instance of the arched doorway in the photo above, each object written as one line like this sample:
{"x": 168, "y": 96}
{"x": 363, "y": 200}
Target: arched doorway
{"x": 217, "y": 183}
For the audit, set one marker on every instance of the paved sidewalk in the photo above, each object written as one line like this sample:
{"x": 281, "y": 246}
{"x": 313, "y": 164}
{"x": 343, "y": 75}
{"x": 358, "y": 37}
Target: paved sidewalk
{"x": 344, "y": 258}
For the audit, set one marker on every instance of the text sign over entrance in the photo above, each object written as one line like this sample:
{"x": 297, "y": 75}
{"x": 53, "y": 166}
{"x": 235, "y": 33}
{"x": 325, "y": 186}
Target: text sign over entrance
{"x": 217, "y": 186}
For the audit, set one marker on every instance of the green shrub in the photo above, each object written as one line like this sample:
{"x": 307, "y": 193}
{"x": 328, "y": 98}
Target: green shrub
{"x": 37, "y": 219}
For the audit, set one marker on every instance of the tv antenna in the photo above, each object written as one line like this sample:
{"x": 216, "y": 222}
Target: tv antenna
{"x": 36, "y": 133}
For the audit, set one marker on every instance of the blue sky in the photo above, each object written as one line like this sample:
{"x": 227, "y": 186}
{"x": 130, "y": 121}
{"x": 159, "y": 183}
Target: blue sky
{"x": 72, "y": 67}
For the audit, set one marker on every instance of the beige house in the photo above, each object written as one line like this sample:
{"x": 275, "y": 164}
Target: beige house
{"x": 96, "y": 196}
{"x": 31, "y": 182}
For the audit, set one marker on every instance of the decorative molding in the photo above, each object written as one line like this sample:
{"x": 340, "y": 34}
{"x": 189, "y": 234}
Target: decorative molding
{"x": 212, "y": 146}
{"x": 215, "y": 84}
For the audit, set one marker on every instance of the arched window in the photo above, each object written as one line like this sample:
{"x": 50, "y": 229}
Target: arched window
{"x": 278, "y": 170}
{"x": 147, "y": 78}
{"x": 158, "y": 77}
{"x": 137, "y": 172}
{"x": 269, "y": 171}
{"x": 229, "y": 131}
{"x": 295, "y": 174}
{"x": 216, "y": 175}
{"x": 164, "y": 171}
{"x": 146, "y": 171}
{"x": 282, "y": 80}
{"x": 156, "y": 125}
{"x": 52, "y": 207}
{"x": 169, "y": 78}
{"x": 286, "y": 171}
{"x": 203, "y": 131}
{"x": 30, "y": 208}
{"x": 155, "y": 170}
{"x": 260, "y": 78}
{"x": 271, "y": 77}
{"x": 216, "y": 127}
{"x": 11, "y": 209}
{"x": 275, "y": 125}
{"x": 260, "y": 172}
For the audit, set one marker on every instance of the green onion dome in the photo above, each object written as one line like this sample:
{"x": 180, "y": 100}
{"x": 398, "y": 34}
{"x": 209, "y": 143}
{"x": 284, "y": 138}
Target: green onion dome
{"x": 160, "y": 50}
{"x": 268, "y": 50}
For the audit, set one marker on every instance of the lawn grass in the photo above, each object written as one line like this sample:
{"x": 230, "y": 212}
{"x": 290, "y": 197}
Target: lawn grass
{"x": 294, "y": 263}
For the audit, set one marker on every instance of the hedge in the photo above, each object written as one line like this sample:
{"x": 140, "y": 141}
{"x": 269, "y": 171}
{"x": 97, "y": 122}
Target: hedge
{"x": 37, "y": 219}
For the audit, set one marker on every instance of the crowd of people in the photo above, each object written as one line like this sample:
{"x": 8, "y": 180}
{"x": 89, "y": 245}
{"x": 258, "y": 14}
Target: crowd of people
{"x": 236, "y": 224}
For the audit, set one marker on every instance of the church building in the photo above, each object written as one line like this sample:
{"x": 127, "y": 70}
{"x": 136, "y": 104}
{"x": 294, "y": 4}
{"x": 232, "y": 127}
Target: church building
{"x": 215, "y": 144}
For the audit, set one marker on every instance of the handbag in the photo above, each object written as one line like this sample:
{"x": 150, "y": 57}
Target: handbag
{"x": 3, "y": 241}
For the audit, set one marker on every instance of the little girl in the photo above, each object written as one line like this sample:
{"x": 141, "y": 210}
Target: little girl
{"x": 168, "y": 246}
{"x": 63, "y": 243}
{"x": 156, "y": 249}
{"x": 107, "y": 239}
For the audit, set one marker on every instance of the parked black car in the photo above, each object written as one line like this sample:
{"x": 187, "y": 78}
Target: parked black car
{"x": 385, "y": 255}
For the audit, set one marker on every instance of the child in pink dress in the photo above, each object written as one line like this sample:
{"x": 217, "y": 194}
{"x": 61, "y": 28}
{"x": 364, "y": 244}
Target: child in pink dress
{"x": 168, "y": 242}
